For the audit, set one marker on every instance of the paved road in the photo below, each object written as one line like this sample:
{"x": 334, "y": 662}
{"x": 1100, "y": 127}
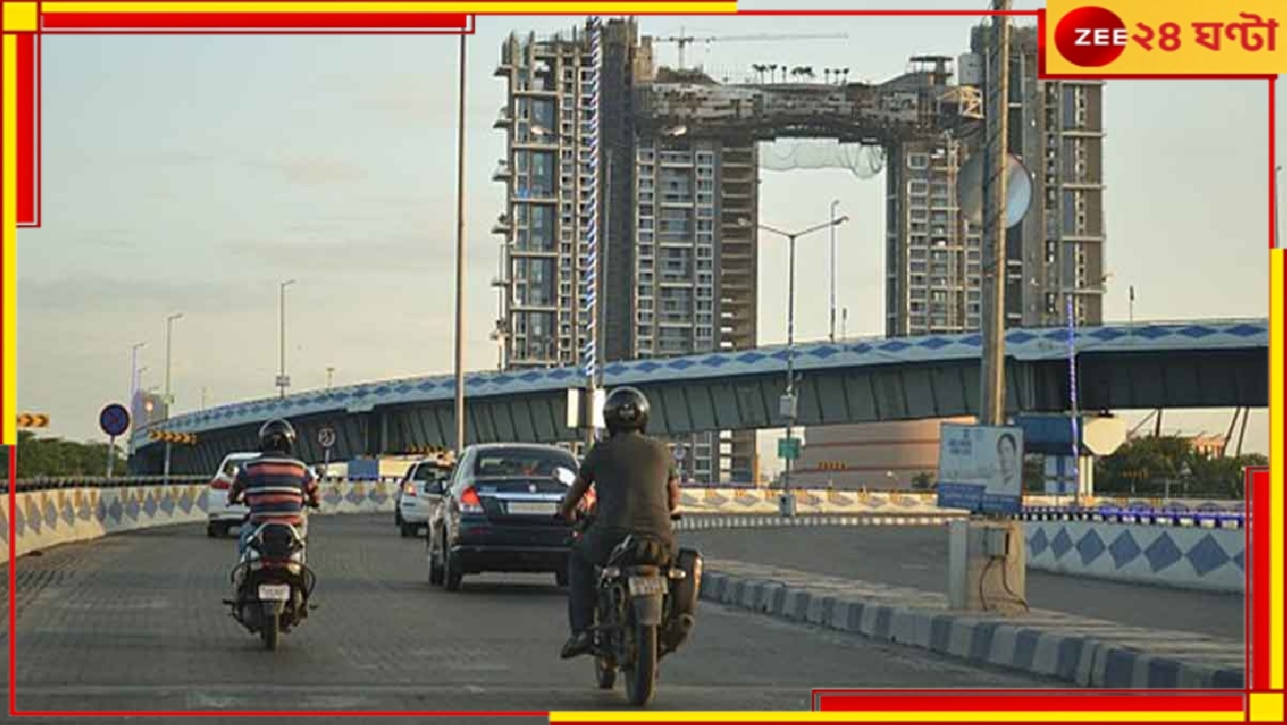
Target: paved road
{"x": 135, "y": 621}
{"x": 915, "y": 556}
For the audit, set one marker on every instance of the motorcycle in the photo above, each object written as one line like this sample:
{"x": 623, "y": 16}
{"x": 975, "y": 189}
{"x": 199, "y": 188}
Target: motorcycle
{"x": 645, "y": 609}
{"x": 272, "y": 583}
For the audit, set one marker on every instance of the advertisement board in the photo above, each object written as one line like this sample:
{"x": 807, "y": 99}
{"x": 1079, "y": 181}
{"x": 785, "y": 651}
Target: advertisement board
{"x": 980, "y": 468}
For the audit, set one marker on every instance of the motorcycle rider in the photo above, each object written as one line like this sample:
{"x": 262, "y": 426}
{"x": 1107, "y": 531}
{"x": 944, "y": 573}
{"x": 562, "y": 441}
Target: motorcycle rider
{"x": 275, "y": 485}
{"x": 636, "y": 487}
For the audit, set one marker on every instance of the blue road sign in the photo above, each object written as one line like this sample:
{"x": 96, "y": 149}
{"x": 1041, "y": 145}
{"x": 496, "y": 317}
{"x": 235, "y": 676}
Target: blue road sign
{"x": 114, "y": 420}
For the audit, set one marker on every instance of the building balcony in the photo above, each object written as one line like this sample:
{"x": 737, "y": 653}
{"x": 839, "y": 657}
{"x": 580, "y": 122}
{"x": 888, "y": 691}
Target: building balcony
{"x": 503, "y": 119}
{"x": 502, "y": 225}
{"x": 502, "y": 173}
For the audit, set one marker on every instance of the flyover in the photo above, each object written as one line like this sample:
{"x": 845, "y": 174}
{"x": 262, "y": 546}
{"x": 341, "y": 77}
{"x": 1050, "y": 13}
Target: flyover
{"x": 1144, "y": 365}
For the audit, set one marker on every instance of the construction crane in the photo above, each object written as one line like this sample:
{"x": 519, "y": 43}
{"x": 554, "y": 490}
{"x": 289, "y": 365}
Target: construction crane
{"x": 683, "y": 39}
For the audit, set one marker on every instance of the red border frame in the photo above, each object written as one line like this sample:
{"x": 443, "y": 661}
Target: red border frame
{"x": 1260, "y": 497}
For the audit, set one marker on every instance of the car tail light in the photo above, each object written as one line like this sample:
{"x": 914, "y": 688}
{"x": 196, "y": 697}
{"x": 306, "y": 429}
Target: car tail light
{"x": 220, "y": 484}
{"x": 409, "y": 489}
{"x": 469, "y": 502}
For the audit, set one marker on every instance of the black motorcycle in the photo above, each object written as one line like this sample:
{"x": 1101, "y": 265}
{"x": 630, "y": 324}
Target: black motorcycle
{"x": 272, "y": 583}
{"x": 645, "y": 609}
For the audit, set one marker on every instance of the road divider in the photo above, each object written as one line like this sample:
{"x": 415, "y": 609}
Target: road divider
{"x": 1081, "y": 651}
{"x": 78, "y": 511}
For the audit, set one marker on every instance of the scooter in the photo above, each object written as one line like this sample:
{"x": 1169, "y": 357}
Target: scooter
{"x": 272, "y": 584}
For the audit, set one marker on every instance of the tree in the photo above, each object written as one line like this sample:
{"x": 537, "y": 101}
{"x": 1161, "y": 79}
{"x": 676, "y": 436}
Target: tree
{"x": 1144, "y": 466}
{"x": 56, "y": 458}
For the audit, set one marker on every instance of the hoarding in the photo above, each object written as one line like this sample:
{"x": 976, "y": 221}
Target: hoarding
{"x": 980, "y": 468}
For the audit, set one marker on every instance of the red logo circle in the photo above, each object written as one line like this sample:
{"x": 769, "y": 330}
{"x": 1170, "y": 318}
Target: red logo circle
{"x": 1090, "y": 37}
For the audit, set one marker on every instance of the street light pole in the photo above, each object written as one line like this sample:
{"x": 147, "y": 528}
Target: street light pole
{"x": 1278, "y": 242}
{"x": 992, "y": 385}
{"x": 330, "y": 376}
{"x": 169, "y": 396}
{"x": 789, "y": 407}
{"x": 835, "y": 203}
{"x": 460, "y": 260}
{"x": 134, "y": 386}
{"x": 281, "y": 374}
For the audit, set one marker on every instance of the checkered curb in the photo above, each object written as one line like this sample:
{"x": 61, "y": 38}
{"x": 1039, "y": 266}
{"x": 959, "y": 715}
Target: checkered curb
{"x": 1115, "y": 657}
{"x": 706, "y": 522}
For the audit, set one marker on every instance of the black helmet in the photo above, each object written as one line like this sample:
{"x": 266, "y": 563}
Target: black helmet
{"x": 626, "y": 409}
{"x": 277, "y": 436}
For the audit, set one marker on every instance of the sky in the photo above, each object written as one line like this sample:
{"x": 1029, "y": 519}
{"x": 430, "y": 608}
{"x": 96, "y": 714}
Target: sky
{"x": 193, "y": 174}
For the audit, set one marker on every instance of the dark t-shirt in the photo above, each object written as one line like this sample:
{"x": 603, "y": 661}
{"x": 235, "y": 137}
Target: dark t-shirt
{"x": 631, "y": 475}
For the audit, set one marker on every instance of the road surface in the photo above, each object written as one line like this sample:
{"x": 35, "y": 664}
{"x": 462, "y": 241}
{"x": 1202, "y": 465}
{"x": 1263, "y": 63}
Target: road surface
{"x": 916, "y": 556}
{"x": 134, "y": 621}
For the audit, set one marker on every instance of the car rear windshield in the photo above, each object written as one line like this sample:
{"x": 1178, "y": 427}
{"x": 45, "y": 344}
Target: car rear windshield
{"x": 431, "y": 472}
{"x": 509, "y": 462}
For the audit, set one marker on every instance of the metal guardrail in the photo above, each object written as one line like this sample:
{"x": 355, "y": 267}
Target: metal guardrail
{"x": 1151, "y": 517}
{"x": 26, "y": 485}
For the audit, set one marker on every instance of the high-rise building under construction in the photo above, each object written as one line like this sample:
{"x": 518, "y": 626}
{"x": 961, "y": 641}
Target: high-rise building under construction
{"x": 678, "y": 265}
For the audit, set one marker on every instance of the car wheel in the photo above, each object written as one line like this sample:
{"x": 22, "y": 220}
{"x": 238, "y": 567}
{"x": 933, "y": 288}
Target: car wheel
{"x": 408, "y": 530}
{"x": 211, "y": 531}
{"x": 451, "y": 571}
{"x": 561, "y": 578}
{"x": 397, "y": 517}
{"x": 435, "y": 565}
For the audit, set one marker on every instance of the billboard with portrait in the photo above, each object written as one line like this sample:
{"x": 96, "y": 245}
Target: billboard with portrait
{"x": 980, "y": 468}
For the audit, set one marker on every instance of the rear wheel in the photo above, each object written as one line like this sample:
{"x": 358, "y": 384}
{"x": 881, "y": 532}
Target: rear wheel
{"x": 397, "y": 516}
{"x": 435, "y": 564}
{"x": 271, "y": 631}
{"x": 408, "y": 530}
{"x": 561, "y": 577}
{"x": 641, "y": 681}
{"x": 211, "y": 531}
{"x": 451, "y": 574}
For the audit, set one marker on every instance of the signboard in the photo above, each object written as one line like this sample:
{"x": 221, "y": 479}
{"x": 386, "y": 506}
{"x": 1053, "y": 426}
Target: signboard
{"x": 114, "y": 420}
{"x": 980, "y": 468}
{"x": 789, "y": 448}
{"x": 283, "y": 381}
{"x": 326, "y": 436}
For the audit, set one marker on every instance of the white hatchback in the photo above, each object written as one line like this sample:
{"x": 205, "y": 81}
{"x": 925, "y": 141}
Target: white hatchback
{"x": 422, "y": 489}
{"x": 222, "y": 517}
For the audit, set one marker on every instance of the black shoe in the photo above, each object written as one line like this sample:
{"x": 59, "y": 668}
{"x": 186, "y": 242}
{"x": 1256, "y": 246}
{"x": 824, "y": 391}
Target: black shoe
{"x": 578, "y": 644}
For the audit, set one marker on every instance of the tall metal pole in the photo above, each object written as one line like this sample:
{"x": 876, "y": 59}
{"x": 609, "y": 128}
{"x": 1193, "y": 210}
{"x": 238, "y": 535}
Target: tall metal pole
{"x": 992, "y": 385}
{"x": 169, "y": 397}
{"x": 460, "y": 261}
{"x": 1072, "y": 397}
{"x": 281, "y": 375}
{"x": 330, "y": 376}
{"x": 835, "y": 203}
{"x": 593, "y": 233}
{"x": 790, "y": 388}
{"x": 134, "y": 386}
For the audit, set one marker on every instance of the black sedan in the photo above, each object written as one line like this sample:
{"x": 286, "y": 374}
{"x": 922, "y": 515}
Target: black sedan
{"x": 498, "y": 514}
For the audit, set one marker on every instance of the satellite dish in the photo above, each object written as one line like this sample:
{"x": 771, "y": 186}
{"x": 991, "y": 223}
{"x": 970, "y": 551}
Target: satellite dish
{"x": 1018, "y": 190}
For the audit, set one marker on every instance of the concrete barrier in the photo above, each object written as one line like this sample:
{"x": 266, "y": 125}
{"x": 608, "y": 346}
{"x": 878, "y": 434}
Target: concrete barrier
{"x": 72, "y": 512}
{"x": 1188, "y": 558}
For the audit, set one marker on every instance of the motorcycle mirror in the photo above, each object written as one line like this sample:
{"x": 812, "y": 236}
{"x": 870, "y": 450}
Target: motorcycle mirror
{"x": 565, "y": 475}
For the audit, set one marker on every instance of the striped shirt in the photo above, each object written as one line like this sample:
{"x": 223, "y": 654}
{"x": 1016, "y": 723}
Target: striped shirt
{"x": 276, "y": 489}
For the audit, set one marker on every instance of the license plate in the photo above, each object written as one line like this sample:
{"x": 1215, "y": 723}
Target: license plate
{"x": 274, "y": 592}
{"x": 547, "y": 509}
{"x": 645, "y": 585}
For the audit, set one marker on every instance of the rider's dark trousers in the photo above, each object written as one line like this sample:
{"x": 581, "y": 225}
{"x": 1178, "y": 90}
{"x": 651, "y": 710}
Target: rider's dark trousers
{"x": 591, "y": 550}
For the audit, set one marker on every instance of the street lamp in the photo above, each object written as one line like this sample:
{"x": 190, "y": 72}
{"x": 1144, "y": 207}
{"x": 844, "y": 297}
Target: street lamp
{"x": 283, "y": 382}
{"x": 834, "y": 203}
{"x": 788, "y": 401}
{"x": 460, "y": 257}
{"x": 1070, "y": 313}
{"x": 169, "y": 396}
{"x": 134, "y": 386}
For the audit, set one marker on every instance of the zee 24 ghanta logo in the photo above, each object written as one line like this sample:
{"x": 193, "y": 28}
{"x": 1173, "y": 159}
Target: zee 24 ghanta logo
{"x": 1093, "y": 37}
